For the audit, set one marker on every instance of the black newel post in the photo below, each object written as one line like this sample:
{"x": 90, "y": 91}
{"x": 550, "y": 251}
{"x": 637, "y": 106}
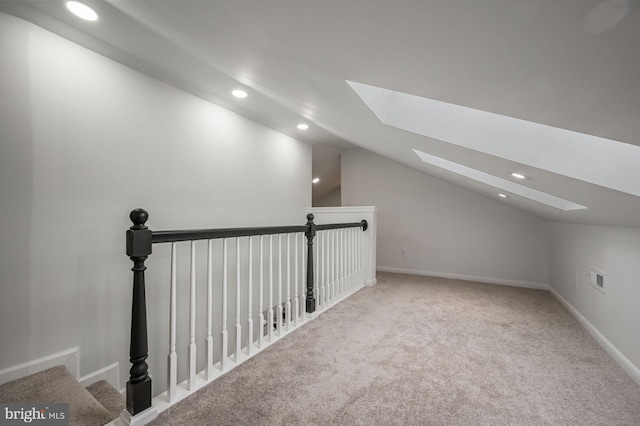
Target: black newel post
{"x": 310, "y": 233}
{"x": 138, "y": 249}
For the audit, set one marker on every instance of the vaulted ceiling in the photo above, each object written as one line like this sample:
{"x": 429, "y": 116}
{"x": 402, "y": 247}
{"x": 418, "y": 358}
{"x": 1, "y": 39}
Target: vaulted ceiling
{"x": 546, "y": 88}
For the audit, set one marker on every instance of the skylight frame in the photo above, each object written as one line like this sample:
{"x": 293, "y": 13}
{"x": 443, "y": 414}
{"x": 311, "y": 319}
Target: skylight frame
{"x": 500, "y": 183}
{"x": 592, "y": 159}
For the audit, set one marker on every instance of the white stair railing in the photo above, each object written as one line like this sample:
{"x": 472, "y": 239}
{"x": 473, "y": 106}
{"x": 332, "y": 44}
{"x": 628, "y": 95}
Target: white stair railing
{"x": 299, "y": 295}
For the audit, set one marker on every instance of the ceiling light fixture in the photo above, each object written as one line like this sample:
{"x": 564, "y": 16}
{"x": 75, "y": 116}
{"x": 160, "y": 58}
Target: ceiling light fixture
{"x": 502, "y": 196}
{"x": 518, "y": 175}
{"x": 315, "y": 180}
{"x": 238, "y": 93}
{"x": 81, "y": 10}
{"x": 303, "y": 126}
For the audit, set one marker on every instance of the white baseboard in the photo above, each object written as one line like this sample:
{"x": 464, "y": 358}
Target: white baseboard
{"x": 110, "y": 373}
{"x": 371, "y": 283}
{"x": 68, "y": 358}
{"x": 139, "y": 419}
{"x": 623, "y": 361}
{"x": 524, "y": 284}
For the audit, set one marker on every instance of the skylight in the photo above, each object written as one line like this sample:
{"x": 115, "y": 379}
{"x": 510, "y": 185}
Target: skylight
{"x": 496, "y": 182}
{"x": 591, "y": 159}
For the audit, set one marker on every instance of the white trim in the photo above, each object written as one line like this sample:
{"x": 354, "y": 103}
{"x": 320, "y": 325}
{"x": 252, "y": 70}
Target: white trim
{"x": 110, "y": 373}
{"x": 313, "y": 315}
{"x": 345, "y": 209}
{"x": 141, "y": 418}
{"x": 512, "y": 283}
{"x": 370, "y": 283}
{"x": 68, "y": 358}
{"x": 623, "y": 361}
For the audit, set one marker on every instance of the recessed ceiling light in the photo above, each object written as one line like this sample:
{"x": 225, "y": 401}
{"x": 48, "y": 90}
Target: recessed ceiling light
{"x": 81, "y": 10}
{"x": 315, "y": 180}
{"x": 502, "y": 196}
{"x": 518, "y": 175}
{"x": 238, "y": 93}
{"x": 303, "y": 126}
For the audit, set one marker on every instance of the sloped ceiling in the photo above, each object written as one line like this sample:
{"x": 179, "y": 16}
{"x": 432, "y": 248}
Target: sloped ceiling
{"x": 571, "y": 66}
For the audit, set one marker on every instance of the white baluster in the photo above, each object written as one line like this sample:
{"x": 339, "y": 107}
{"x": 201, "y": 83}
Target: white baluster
{"x": 334, "y": 263}
{"x": 261, "y": 297}
{"x": 316, "y": 277}
{"x": 347, "y": 258}
{"x": 303, "y": 263}
{"x": 354, "y": 250}
{"x": 338, "y": 261}
{"x": 350, "y": 260}
{"x": 223, "y": 333}
{"x": 355, "y": 258}
{"x": 327, "y": 275}
{"x": 321, "y": 275}
{"x": 346, "y": 262}
{"x": 360, "y": 259}
{"x": 250, "y": 301}
{"x": 296, "y": 312}
{"x": 320, "y": 269}
{"x": 350, "y": 233}
{"x": 279, "y": 307}
{"x": 270, "y": 312}
{"x": 359, "y": 256}
{"x": 192, "y": 320}
{"x": 172, "y": 359}
{"x": 356, "y": 281}
{"x": 343, "y": 273}
{"x": 209, "y": 339}
{"x": 287, "y": 307}
{"x": 238, "y": 326}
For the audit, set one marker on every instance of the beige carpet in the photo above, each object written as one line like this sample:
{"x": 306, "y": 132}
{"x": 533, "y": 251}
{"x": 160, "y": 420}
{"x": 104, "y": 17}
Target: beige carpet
{"x": 425, "y": 351}
{"x": 59, "y": 386}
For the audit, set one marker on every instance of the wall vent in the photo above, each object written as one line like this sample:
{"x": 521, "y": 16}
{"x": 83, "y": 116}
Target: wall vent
{"x": 597, "y": 280}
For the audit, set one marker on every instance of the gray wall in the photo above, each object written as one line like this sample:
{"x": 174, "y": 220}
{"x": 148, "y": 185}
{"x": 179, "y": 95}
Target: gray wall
{"x": 84, "y": 141}
{"x": 332, "y": 199}
{"x": 449, "y": 231}
{"x": 442, "y": 229}
{"x": 574, "y": 250}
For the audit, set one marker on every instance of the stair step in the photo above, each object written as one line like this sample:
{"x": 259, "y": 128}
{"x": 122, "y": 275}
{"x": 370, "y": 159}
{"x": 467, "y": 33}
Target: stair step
{"x": 57, "y": 385}
{"x": 108, "y": 396}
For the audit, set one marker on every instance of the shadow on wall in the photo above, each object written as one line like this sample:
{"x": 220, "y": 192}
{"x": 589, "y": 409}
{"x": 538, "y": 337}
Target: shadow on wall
{"x": 326, "y": 175}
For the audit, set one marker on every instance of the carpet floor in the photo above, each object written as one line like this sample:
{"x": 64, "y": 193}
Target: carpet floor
{"x": 86, "y": 405}
{"x": 425, "y": 351}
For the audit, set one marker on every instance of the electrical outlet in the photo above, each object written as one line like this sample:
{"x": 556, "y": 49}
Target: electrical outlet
{"x": 403, "y": 253}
